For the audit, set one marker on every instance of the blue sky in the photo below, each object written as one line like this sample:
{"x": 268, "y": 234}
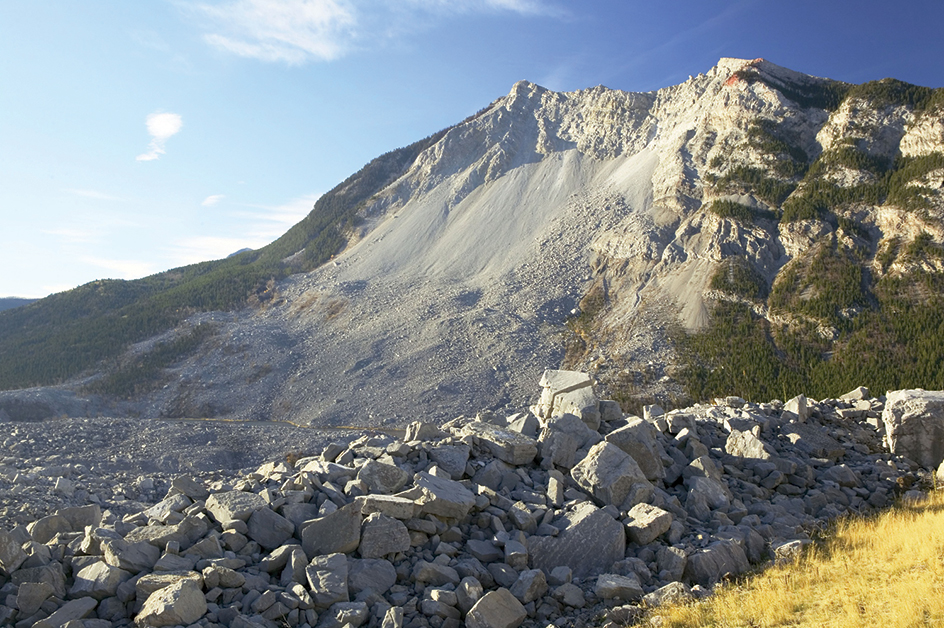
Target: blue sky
{"x": 139, "y": 136}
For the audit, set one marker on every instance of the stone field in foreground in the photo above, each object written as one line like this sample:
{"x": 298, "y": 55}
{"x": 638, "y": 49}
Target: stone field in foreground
{"x": 564, "y": 514}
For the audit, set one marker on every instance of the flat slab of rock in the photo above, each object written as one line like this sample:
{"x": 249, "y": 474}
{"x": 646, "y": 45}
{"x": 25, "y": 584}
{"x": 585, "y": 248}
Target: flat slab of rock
{"x": 616, "y": 587}
{"x": 914, "y": 425}
{"x": 589, "y": 542}
{"x": 390, "y": 505}
{"x": 72, "y": 610}
{"x": 506, "y": 445}
{"x": 440, "y": 496}
{"x": 234, "y": 505}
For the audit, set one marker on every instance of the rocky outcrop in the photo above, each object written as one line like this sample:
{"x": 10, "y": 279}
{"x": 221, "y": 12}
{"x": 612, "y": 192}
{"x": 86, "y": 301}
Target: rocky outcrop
{"x": 464, "y": 524}
{"x": 914, "y": 425}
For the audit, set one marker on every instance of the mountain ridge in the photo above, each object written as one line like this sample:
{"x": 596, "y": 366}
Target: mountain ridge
{"x": 453, "y": 269}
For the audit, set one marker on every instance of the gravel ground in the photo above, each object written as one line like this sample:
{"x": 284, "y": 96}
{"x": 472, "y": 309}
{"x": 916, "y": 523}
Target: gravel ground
{"x": 125, "y": 463}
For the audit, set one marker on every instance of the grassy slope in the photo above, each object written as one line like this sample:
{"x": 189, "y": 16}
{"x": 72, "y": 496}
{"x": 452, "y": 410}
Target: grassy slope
{"x": 882, "y": 571}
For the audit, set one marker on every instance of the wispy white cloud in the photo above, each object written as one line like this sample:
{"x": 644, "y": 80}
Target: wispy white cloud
{"x": 291, "y": 31}
{"x": 261, "y": 225}
{"x": 161, "y": 127}
{"x": 213, "y": 199}
{"x": 269, "y": 222}
{"x": 94, "y": 194}
{"x": 300, "y": 31}
{"x": 120, "y": 268}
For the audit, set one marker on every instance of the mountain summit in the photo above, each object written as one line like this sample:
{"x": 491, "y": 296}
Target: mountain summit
{"x": 749, "y": 228}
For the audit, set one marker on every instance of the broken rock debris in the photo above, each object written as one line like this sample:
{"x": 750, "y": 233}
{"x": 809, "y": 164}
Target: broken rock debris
{"x": 552, "y": 516}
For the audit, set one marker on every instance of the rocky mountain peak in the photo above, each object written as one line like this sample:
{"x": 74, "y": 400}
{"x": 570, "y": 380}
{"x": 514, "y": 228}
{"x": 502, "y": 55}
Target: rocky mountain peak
{"x": 617, "y": 220}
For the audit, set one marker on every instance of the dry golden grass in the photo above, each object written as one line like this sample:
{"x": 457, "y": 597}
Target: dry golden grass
{"x": 883, "y": 571}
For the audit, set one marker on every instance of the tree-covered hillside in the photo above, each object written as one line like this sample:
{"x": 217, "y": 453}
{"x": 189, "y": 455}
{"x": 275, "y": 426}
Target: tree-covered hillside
{"x": 863, "y": 307}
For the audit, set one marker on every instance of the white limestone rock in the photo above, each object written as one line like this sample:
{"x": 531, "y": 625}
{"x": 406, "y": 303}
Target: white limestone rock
{"x": 234, "y": 505}
{"x": 646, "y": 523}
{"x": 181, "y": 603}
{"x": 914, "y": 425}
{"x": 496, "y": 609}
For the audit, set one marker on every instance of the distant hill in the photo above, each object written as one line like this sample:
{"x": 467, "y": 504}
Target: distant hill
{"x": 7, "y": 303}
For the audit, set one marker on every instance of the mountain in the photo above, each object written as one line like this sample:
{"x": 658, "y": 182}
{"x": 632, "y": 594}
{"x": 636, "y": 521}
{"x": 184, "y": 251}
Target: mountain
{"x": 7, "y": 303}
{"x": 752, "y": 231}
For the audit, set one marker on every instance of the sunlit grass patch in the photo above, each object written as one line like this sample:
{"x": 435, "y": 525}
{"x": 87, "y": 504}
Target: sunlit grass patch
{"x": 884, "y": 571}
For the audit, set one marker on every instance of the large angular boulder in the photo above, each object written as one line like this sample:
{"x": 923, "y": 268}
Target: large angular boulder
{"x": 327, "y": 580}
{"x": 181, "y": 603}
{"x": 382, "y": 478}
{"x": 719, "y": 560}
{"x": 382, "y": 535}
{"x": 11, "y": 552}
{"x": 496, "y": 609}
{"x": 638, "y": 439}
{"x": 589, "y": 542}
{"x": 914, "y": 425}
{"x": 813, "y": 440}
{"x": 269, "y": 529}
{"x": 612, "y": 477}
{"x": 747, "y": 445}
{"x": 569, "y": 392}
{"x": 646, "y": 523}
{"x": 440, "y": 497}
{"x": 98, "y": 580}
{"x": 234, "y": 505}
{"x": 375, "y": 574}
{"x": 337, "y": 532}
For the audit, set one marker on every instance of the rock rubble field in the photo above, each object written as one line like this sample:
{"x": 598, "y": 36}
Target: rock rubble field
{"x": 567, "y": 514}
